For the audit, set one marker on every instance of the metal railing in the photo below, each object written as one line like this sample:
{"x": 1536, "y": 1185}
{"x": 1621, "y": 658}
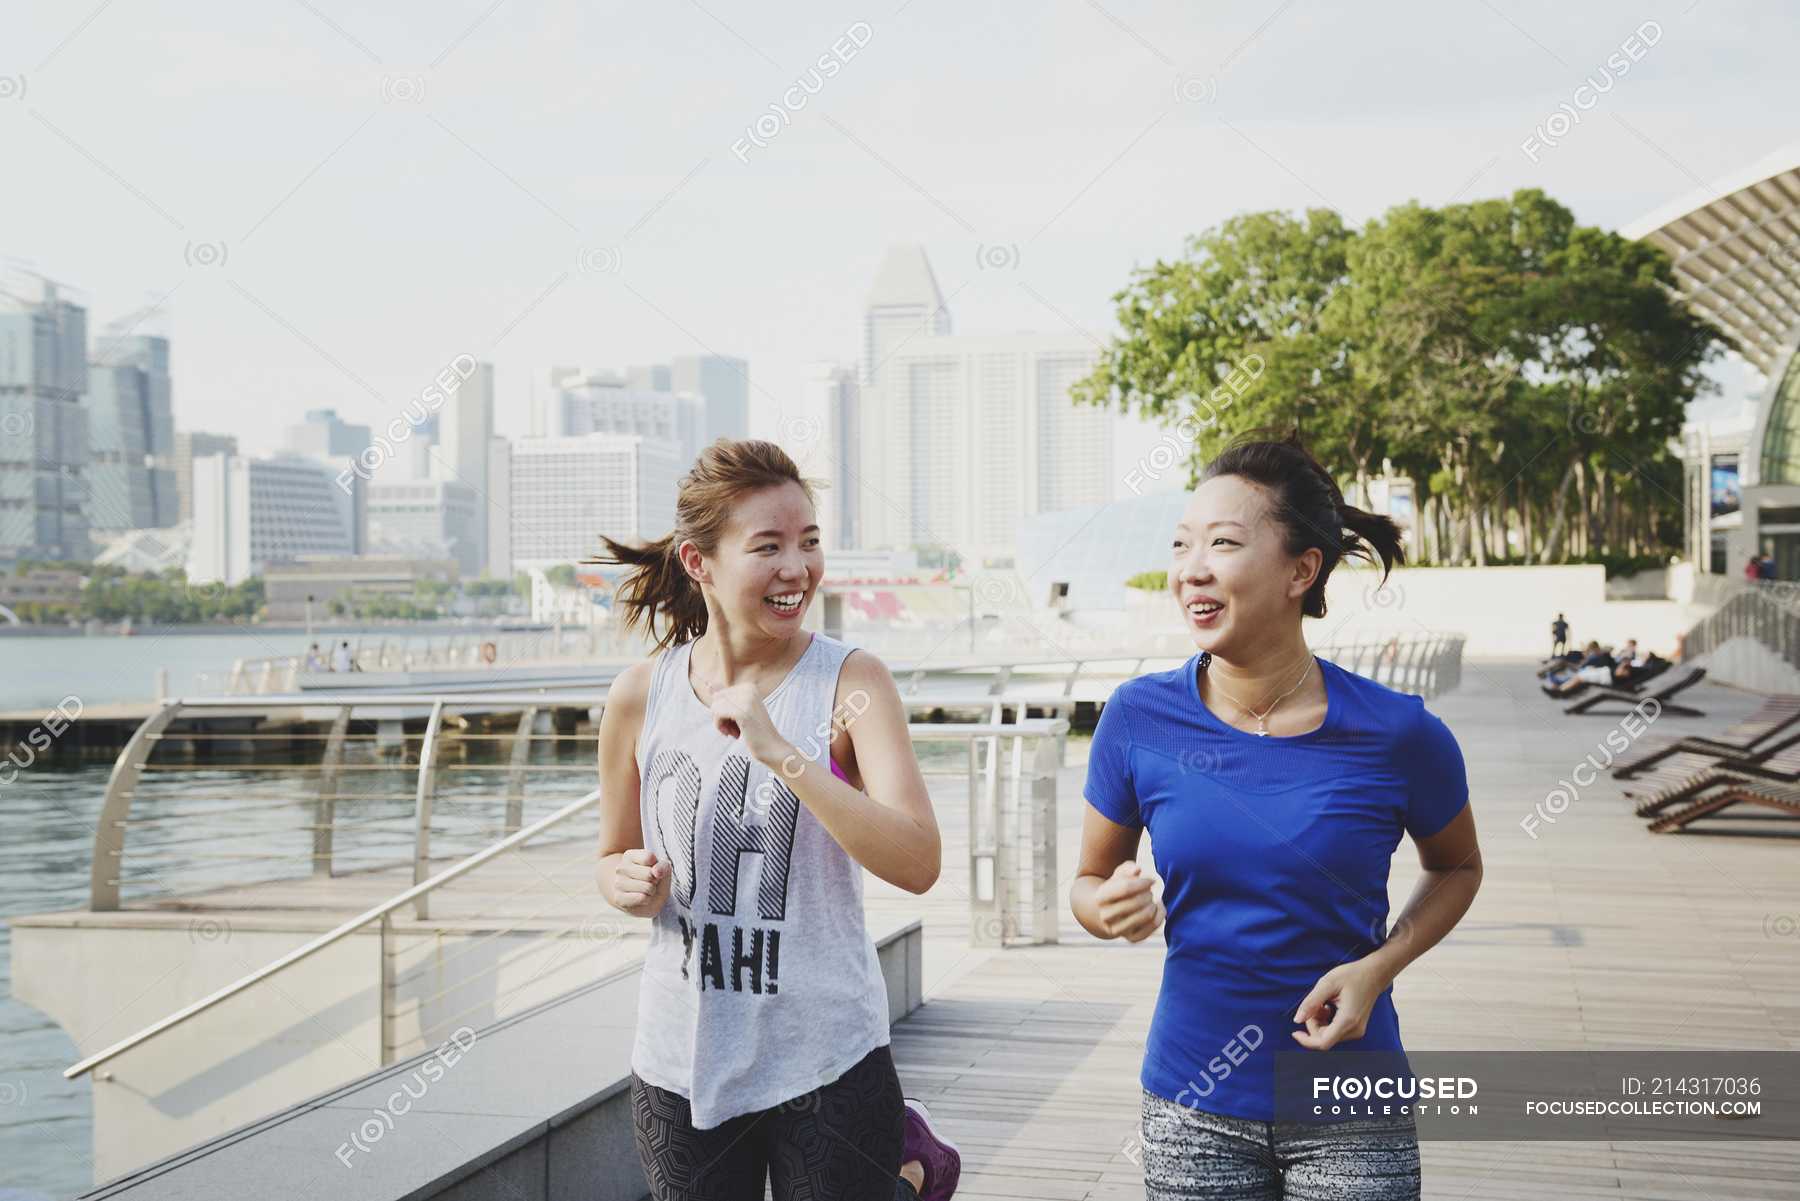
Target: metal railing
{"x": 528, "y": 929}
{"x": 215, "y": 791}
{"x": 1768, "y": 612}
{"x": 483, "y": 650}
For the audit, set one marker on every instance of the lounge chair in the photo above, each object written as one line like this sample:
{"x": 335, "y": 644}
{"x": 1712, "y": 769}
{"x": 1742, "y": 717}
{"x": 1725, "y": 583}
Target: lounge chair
{"x": 1633, "y": 684}
{"x": 1783, "y": 798}
{"x": 1782, "y": 767}
{"x": 1601, "y": 696}
{"x": 1748, "y": 738}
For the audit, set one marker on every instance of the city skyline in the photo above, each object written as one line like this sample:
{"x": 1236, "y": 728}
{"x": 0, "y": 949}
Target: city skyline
{"x": 387, "y": 199}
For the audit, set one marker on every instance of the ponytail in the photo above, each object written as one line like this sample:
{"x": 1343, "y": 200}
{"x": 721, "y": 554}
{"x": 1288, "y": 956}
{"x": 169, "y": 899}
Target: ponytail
{"x": 1310, "y": 508}
{"x": 658, "y": 588}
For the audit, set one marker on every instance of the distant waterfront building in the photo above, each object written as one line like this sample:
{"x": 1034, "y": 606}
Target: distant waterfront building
{"x": 191, "y": 445}
{"x": 466, "y": 428}
{"x": 43, "y": 425}
{"x": 905, "y": 304}
{"x": 566, "y": 492}
{"x": 131, "y": 436}
{"x": 498, "y": 504}
{"x": 325, "y": 435}
{"x": 653, "y": 377}
{"x": 250, "y": 513}
{"x": 435, "y": 519}
{"x": 723, "y": 385}
{"x": 600, "y": 402}
{"x": 831, "y": 415}
{"x": 287, "y": 586}
{"x": 971, "y": 434}
{"x": 147, "y": 552}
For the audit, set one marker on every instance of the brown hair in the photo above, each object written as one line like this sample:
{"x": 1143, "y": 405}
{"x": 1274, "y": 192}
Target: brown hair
{"x": 1310, "y": 509}
{"x": 658, "y": 588}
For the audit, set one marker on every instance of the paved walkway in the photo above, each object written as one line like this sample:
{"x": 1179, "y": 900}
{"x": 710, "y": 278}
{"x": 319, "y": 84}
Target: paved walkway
{"x": 1595, "y": 934}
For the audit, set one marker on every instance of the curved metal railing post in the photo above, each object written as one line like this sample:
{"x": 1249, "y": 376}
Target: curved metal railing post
{"x": 422, "y": 800}
{"x": 115, "y": 811}
{"x": 325, "y": 809}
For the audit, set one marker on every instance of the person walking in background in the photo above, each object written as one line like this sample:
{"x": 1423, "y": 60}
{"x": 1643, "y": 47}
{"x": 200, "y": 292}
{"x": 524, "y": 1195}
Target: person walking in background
{"x": 1274, "y": 852}
{"x": 1753, "y": 568}
{"x": 762, "y": 1046}
{"x": 1559, "y": 636}
{"x": 342, "y": 659}
{"x": 1765, "y": 567}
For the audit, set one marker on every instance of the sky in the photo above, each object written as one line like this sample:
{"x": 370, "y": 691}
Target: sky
{"x": 326, "y": 203}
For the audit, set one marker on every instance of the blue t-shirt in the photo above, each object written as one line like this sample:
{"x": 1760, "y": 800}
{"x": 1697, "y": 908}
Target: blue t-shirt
{"x": 1274, "y": 856}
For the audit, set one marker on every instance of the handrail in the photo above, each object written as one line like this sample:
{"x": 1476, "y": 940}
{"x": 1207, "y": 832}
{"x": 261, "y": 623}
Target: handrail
{"x": 379, "y": 912}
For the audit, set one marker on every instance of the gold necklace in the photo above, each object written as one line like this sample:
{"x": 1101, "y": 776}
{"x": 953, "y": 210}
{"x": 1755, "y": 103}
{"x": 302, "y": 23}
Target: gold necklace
{"x": 1262, "y": 728}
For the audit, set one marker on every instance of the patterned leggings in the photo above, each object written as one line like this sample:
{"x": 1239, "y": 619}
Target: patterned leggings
{"x": 840, "y": 1142}
{"x": 1190, "y": 1154}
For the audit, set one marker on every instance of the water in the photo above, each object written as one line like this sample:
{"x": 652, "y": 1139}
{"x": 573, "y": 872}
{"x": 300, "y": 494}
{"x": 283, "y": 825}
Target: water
{"x": 47, "y": 821}
{"x": 37, "y": 671}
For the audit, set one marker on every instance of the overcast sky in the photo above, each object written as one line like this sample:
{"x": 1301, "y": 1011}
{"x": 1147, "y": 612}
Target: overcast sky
{"x": 331, "y": 201}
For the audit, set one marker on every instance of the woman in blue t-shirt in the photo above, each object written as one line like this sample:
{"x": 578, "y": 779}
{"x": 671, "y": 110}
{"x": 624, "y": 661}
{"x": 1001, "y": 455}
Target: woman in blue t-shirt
{"x": 1275, "y": 787}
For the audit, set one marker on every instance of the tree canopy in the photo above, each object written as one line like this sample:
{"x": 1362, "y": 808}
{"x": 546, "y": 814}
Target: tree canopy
{"x": 1525, "y": 372}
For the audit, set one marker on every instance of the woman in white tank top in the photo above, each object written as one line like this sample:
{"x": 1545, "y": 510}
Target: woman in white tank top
{"x": 749, "y": 773}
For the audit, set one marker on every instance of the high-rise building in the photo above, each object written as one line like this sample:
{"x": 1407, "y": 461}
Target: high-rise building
{"x": 826, "y": 441}
{"x": 465, "y": 429}
{"x": 905, "y": 304}
{"x": 43, "y": 425}
{"x": 600, "y": 402}
{"x": 428, "y": 519}
{"x": 191, "y": 445}
{"x": 723, "y": 385}
{"x": 972, "y": 433}
{"x": 566, "y": 492}
{"x": 651, "y": 378}
{"x": 249, "y": 513}
{"x": 499, "y": 509}
{"x": 324, "y": 435}
{"x": 131, "y": 436}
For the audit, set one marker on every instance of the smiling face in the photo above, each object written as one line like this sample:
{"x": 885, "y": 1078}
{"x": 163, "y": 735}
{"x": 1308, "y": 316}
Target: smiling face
{"x": 1231, "y": 572}
{"x": 768, "y": 563}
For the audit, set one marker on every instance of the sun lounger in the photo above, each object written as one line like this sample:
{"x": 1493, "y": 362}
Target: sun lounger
{"x": 1769, "y": 794}
{"x": 1600, "y": 696}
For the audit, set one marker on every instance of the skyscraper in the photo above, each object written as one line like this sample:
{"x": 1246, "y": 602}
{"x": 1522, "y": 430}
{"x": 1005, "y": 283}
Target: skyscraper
{"x": 971, "y": 433}
{"x": 249, "y": 513}
{"x": 600, "y": 402}
{"x": 904, "y": 304}
{"x": 43, "y": 426}
{"x": 830, "y": 443}
{"x": 723, "y": 383}
{"x": 566, "y": 492}
{"x": 325, "y": 435}
{"x": 465, "y": 428}
{"x": 131, "y": 436}
{"x": 191, "y": 445}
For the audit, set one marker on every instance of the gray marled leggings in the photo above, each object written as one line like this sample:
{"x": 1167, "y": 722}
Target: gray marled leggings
{"x": 1190, "y": 1154}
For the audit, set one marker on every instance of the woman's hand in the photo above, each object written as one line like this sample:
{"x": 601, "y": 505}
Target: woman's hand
{"x": 640, "y": 883}
{"x": 1338, "y": 1007}
{"x": 738, "y": 712}
{"x": 1127, "y": 908}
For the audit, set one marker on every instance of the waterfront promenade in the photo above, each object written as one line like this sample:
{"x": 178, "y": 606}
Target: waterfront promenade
{"x": 1595, "y": 934}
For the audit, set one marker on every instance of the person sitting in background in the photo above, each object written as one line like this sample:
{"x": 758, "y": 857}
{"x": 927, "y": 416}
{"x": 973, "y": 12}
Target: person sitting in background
{"x": 1595, "y": 667}
{"x": 1753, "y": 568}
{"x": 341, "y": 659}
{"x": 1630, "y": 660}
{"x": 314, "y": 660}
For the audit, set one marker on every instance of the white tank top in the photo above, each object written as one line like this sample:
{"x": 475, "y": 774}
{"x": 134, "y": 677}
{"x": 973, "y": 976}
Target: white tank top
{"x": 760, "y": 983}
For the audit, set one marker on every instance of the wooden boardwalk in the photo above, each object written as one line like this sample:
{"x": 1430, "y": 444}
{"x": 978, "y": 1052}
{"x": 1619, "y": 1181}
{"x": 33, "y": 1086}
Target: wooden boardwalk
{"x": 1595, "y": 934}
